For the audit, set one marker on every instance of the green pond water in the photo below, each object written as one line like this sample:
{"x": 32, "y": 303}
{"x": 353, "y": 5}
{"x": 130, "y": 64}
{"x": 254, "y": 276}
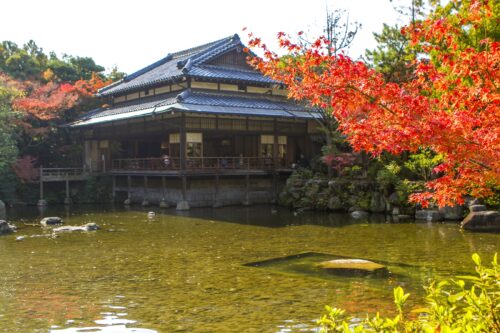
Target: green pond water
{"x": 240, "y": 269}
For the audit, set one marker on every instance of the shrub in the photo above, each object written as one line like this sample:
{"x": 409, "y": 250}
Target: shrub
{"x": 464, "y": 304}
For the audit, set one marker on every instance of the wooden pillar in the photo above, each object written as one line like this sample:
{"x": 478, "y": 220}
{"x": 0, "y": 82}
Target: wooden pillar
{"x": 41, "y": 202}
{"x": 217, "y": 202}
{"x": 275, "y": 147}
{"x": 184, "y": 187}
{"x": 113, "y": 195}
{"x": 128, "y": 201}
{"x": 163, "y": 202}
{"x": 182, "y": 145}
{"x": 41, "y": 183}
{"x": 145, "y": 201}
{"x": 246, "y": 202}
{"x": 67, "y": 199}
{"x": 163, "y": 187}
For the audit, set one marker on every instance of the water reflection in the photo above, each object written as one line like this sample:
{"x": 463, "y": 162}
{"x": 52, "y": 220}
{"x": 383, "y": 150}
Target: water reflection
{"x": 112, "y": 322}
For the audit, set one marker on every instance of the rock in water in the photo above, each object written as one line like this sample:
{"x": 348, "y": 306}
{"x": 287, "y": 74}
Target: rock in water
{"x": 53, "y": 220}
{"x": 359, "y": 214}
{"x": 429, "y": 215}
{"x": 482, "y": 221}
{"x": 6, "y": 228}
{"x": 71, "y": 228}
{"x": 151, "y": 215}
{"x": 353, "y": 267}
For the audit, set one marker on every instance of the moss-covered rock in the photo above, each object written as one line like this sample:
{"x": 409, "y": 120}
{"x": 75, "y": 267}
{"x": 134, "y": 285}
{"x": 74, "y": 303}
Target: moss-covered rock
{"x": 352, "y": 267}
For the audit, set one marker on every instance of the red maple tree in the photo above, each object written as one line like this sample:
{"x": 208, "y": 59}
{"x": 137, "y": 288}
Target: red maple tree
{"x": 451, "y": 107}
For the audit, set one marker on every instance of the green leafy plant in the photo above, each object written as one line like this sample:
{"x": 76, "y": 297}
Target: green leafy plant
{"x": 463, "y": 304}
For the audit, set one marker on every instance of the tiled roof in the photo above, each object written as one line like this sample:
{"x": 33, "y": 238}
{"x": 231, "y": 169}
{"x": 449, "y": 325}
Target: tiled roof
{"x": 188, "y": 63}
{"x": 203, "y": 101}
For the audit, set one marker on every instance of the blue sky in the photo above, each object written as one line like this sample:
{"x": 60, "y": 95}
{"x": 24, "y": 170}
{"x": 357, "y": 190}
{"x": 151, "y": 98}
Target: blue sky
{"x": 133, "y": 34}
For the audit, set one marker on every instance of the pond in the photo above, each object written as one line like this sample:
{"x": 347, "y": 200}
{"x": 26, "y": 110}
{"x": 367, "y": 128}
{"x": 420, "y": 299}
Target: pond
{"x": 238, "y": 269}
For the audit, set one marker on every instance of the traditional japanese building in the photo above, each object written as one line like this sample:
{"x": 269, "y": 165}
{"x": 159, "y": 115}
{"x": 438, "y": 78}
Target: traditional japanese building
{"x": 196, "y": 122}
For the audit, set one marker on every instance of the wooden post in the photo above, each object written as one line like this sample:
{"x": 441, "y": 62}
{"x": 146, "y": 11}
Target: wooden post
{"x": 41, "y": 202}
{"x": 163, "y": 186}
{"x": 246, "y": 202}
{"x": 41, "y": 183}
{"x": 182, "y": 144}
{"x": 128, "y": 201}
{"x": 67, "y": 199}
{"x": 184, "y": 187}
{"x": 217, "y": 202}
{"x": 113, "y": 195}
{"x": 145, "y": 201}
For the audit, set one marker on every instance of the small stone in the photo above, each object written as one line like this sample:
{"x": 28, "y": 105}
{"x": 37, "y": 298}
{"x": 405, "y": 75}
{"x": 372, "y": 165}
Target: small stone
{"x": 20, "y": 238}
{"x": 477, "y": 208}
{"x": 69, "y": 228}
{"x": 6, "y": 228}
{"x": 52, "y": 220}
{"x": 127, "y": 202}
{"x": 151, "y": 215}
{"x": 359, "y": 214}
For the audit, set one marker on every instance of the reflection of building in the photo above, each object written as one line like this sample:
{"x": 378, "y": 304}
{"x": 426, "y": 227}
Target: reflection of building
{"x": 207, "y": 110}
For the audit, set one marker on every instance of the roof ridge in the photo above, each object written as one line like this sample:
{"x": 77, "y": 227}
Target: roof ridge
{"x": 195, "y": 49}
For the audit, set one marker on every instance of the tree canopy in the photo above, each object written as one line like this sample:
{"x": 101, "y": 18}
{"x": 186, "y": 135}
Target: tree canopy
{"x": 450, "y": 106}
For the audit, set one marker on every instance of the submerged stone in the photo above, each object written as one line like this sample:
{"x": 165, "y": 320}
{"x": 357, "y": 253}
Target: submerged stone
{"x": 353, "y": 267}
{"x": 70, "y": 228}
{"x": 52, "y": 220}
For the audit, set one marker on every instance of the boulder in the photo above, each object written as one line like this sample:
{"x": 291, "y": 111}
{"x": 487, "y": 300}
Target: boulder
{"x": 377, "y": 203}
{"x": 429, "y": 215}
{"x": 182, "y": 205}
{"x": 69, "y": 228}
{"x": 482, "y": 221}
{"x": 394, "y": 198}
{"x": 334, "y": 203}
{"x": 477, "y": 208}
{"x": 3, "y": 212}
{"x": 6, "y": 228}
{"x": 353, "y": 267}
{"x": 52, "y": 220}
{"x": 359, "y": 214}
{"x": 452, "y": 212}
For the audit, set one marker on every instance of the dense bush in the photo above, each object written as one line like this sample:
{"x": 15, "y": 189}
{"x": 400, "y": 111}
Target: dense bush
{"x": 464, "y": 304}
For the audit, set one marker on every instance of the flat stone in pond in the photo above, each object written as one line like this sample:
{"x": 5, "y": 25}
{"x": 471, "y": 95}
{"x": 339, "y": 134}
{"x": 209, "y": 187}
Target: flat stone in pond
{"x": 71, "y": 228}
{"x": 52, "y": 220}
{"x": 352, "y": 267}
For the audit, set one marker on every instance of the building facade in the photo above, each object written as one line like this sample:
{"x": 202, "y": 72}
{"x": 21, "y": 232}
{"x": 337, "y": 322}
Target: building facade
{"x": 197, "y": 115}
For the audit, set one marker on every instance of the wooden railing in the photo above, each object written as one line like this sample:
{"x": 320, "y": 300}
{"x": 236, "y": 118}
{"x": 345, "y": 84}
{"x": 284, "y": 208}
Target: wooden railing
{"x": 198, "y": 163}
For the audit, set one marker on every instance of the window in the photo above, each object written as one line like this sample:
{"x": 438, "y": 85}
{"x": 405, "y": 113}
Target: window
{"x": 194, "y": 145}
{"x": 267, "y": 146}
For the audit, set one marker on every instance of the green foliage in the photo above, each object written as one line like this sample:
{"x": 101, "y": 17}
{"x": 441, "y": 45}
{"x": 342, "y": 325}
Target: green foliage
{"x": 464, "y": 304}
{"x": 423, "y": 163}
{"x": 387, "y": 178}
{"x": 8, "y": 148}
{"x": 392, "y": 57}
